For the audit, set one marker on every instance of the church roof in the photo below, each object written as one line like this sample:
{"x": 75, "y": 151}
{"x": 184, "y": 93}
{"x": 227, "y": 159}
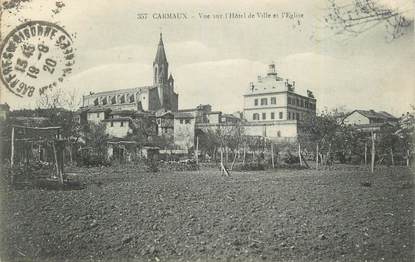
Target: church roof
{"x": 161, "y": 54}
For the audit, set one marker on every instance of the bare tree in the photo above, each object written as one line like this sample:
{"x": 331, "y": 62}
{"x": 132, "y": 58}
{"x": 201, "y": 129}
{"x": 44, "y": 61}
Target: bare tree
{"x": 354, "y": 17}
{"x": 59, "y": 99}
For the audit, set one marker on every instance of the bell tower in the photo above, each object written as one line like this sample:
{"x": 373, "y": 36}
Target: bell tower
{"x": 160, "y": 65}
{"x": 162, "y": 81}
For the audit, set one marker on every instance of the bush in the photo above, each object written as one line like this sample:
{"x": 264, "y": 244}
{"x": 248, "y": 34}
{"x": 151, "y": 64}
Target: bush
{"x": 93, "y": 161}
{"x": 290, "y": 159}
{"x": 152, "y": 166}
{"x": 252, "y": 166}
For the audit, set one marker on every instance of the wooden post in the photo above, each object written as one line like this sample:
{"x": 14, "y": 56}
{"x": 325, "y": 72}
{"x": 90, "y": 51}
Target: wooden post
{"x": 243, "y": 161}
{"x": 234, "y": 159}
{"x": 58, "y": 170}
{"x": 365, "y": 153}
{"x": 392, "y": 159}
{"x": 272, "y": 155}
{"x": 299, "y": 154}
{"x": 221, "y": 159}
{"x": 372, "y": 162}
{"x": 407, "y": 157}
{"x": 214, "y": 154}
{"x": 197, "y": 150}
{"x": 70, "y": 153}
{"x": 317, "y": 156}
{"x": 12, "y": 149}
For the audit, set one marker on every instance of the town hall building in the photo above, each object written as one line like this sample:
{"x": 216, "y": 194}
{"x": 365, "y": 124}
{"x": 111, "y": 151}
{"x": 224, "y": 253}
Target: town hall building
{"x": 273, "y": 109}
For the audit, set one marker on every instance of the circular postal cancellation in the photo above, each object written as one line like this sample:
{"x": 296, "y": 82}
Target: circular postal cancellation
{"x": 35, "y": 57}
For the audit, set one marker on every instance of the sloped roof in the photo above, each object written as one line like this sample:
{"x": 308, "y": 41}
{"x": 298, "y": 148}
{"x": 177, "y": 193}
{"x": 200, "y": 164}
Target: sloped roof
{"x": 122, "y": 112}
{"x": 161, "y": 54}
{"x": 117, "y": 119}
{"x": 230, "y": 116}
{"x": 387, "y": 115}
{"x": 163, "y": 113}
{"x": 183, "y": 115}
{"x": 371, "y": 114}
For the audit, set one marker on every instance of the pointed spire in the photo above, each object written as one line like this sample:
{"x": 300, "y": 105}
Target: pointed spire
{"x": 161, "y": 54}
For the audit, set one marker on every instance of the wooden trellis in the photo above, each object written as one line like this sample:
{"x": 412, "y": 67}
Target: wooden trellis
{"x": 37, "y": 144}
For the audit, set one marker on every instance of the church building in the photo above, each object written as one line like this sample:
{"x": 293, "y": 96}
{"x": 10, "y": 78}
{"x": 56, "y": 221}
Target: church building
{"x": 159, "y": 96}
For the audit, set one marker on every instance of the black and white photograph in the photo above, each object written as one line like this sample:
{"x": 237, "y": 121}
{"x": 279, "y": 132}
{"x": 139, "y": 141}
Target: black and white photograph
{"x": 267, "y": 130}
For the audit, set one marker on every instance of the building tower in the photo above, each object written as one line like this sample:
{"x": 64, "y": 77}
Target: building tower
{"x": 160, "y": 71}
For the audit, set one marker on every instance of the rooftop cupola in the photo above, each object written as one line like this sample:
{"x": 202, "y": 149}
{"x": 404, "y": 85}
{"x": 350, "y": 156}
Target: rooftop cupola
{"x": 271, "y": 69}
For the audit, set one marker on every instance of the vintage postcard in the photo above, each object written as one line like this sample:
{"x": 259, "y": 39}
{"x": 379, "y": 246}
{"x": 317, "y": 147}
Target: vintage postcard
{"x": 183, "y": 130}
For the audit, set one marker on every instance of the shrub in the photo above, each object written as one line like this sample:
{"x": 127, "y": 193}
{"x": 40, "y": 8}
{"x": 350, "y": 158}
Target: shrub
{"x": 89, "y": 160}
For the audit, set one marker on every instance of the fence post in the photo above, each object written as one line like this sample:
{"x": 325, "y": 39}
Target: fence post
{"x": 365, "y": 153}
{"x": 12, "y": 149}
{"x": 299, "y": 154}
{"x": 407, "y": 157}
{"x": 243, "y": 161}
{"x": 272, "y": 155}
{"x": 197, "y": 150}
{"x": 317, "y": 156}
{"x": 372, "y": 164}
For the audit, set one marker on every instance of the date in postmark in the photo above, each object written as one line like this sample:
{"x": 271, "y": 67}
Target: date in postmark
{"x": 35, "y": 57}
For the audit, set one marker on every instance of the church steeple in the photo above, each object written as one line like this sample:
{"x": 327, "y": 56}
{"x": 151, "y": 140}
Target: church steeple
{"x": 161, "y": 54}
{"x": 160, "y": 64}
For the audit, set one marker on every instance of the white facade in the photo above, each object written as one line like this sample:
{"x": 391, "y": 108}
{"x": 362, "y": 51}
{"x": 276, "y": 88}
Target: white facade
{"x": 184, "y": 132}
{"x": 286, "y": 130}
{"x": 356, "y": 118}
{"x": 273, "y": 109}
{"x": 214, "y": 117}
{"x": 118, "y": 128}
{"x": 95, "y": 117}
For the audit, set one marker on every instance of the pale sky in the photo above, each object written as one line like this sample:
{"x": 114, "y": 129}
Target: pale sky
{"x": 213, "y": 61}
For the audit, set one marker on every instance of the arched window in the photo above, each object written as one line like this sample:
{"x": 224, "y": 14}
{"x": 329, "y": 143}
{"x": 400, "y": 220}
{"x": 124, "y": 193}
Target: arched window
{"x": 155, "y": 74}
{"x": 255, "y": 116}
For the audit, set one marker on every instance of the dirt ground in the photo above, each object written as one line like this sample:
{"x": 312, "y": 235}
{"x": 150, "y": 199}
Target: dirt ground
{"x": 285, "y": 215}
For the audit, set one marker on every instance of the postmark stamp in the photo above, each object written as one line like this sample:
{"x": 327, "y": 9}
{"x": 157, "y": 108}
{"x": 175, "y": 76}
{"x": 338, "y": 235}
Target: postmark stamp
{"x": 35, "y": 57}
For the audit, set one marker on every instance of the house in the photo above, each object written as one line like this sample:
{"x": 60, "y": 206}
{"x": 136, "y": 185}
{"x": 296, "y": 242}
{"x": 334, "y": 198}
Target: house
{"x": 368, "y": 117}
{"x": 165, "y": 124}
{"x": 273, "y": 109}
{"x": 118, "y": 127}
{"x": 184, "y": 129}
{"x": 229, "y": 119}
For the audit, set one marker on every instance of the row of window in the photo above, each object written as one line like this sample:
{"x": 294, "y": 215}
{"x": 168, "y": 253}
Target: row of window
{"x": 256, "y": 116}
{"x": 296, "y": 116}
{"x": 121, "y": 123}
{"x": 291, "y": 101}
{"x": 186, "y": 121}
{"x": 272, "y": 116}
{"x": 301, "y": 103}
{"x": 264, "y": 101}
{"x": 113, "y": 100}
